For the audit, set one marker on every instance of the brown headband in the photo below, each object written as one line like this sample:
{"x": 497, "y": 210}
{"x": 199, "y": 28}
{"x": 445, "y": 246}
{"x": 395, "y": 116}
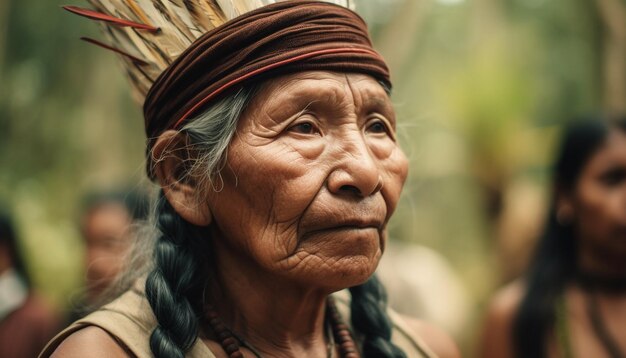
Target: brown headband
{"x": 284, "y": 37}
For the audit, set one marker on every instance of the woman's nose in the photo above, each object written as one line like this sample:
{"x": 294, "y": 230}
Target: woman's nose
{"x": 356, "y": 172}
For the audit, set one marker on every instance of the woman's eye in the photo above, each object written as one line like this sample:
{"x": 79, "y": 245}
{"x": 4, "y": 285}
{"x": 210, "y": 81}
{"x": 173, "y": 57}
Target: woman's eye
{"x": 614, "y": 177}
{"x": 377, "y": 127}
{"x": 303, "y": 128}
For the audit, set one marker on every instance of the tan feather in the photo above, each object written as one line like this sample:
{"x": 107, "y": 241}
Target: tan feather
{"x": 138, "y": 11}
{"x": 175, "y": 18}
{"x": 229, "y": 9}
{"x": 200, "y": 17}
{"x": 178, "y": 10}
{"x": 215, "y": 13}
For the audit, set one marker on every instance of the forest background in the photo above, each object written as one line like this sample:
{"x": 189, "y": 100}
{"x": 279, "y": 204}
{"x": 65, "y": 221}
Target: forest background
{"x": 481, "y": 88}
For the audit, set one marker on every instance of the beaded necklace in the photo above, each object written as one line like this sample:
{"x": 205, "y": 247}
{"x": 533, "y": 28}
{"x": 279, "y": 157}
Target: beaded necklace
{"x": 340, "y": 334}
{"x": 597, "y": 323}
{"x": 600, "y": 328}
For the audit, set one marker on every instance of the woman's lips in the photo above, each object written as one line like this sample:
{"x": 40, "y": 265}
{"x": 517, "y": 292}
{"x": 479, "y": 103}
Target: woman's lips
{"x": 354, "y": 217}
{"x": 349, "y": 224}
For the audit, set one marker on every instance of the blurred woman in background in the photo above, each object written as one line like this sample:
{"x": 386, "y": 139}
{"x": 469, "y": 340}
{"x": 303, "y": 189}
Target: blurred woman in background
{"x": 572, "y": 303}
{"x": 27, "y": 322}
{"x": 107, "y": 227}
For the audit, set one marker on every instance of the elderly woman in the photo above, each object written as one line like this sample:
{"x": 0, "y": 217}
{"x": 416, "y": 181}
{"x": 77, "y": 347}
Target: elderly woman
{"x": 273, "y": 140}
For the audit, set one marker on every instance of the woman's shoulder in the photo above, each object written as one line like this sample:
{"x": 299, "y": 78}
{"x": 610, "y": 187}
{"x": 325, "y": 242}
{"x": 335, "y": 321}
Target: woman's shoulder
{"x": 508, "y": 297}
{"x": 121, "y": 327}
{"x": 91, "y": 341}
{"x": 496, "y": 340}
{"x": 503, "y": 305}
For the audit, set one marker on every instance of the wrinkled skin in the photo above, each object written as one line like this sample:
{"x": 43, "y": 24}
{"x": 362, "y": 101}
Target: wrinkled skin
{"x": 599, "y": 208}
{"x": 312, "y": 178}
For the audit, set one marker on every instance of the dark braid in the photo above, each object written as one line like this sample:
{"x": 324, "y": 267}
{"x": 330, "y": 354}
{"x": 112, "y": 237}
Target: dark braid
{"x": 172, "y": 283}
{"x": 369, "y": 317}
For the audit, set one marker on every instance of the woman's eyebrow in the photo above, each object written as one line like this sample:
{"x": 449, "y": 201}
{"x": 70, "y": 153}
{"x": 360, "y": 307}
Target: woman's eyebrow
{"x": 376, "y": 102}
{"x": 379, "y": 101}
{"x": 305, "y": 109}
{"x": 297, "y": 99}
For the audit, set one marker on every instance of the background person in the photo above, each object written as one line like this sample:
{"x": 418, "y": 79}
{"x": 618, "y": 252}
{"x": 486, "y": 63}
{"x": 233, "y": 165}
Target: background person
{"x": 27, "y": 322}
{"x": 108, "y": 225}
{"x": 572, "y": 302}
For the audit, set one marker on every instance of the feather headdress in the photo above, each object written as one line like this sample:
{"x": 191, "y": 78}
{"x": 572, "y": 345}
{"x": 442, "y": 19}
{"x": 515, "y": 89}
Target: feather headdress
{"x": 150, "y": 34}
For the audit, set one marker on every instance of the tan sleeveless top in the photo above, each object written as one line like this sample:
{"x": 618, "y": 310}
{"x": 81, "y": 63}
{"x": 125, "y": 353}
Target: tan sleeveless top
{"x": 130, "y": 320}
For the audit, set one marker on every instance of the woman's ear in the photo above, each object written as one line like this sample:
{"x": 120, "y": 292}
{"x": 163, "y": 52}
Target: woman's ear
{"x": 171, "y": 156}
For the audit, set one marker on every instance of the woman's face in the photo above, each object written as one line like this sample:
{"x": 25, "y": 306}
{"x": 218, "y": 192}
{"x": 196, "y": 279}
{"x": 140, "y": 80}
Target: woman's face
{"x": 106, "y": 233}
{"x": 599, "y": 200}
{"x": 313, "y": 175}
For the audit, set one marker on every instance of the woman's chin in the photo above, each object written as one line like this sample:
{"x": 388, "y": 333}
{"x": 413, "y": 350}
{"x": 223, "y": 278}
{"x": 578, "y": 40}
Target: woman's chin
{"x": 355, "y": 275}
{"x": 345, "y": 272}
{"x": 334, "y": 260}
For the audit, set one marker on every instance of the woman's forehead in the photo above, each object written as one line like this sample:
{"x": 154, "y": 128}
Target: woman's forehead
{"x": 317, "y": 86}
{"x": 321, "y": 80}
{"x": 611, "y": 153}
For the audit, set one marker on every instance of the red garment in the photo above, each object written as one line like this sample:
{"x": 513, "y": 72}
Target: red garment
{"x": 25, "y": 331}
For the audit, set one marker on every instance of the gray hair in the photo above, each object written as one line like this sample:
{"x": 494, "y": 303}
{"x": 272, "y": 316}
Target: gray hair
{"x": 209, "y": 135}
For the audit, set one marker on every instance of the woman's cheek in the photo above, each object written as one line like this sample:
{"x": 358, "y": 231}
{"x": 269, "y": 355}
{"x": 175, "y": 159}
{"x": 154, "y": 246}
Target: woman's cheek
{"x": 396, "y": 168}
{"x": 395, "y": 171}
{"x": 381, "y": 148}
{"x": 305, "y": 149}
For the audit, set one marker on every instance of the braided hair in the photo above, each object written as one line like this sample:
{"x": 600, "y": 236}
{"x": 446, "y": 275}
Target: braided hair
{"x": 368, "y": 310}
{"x": 172, "y": 284}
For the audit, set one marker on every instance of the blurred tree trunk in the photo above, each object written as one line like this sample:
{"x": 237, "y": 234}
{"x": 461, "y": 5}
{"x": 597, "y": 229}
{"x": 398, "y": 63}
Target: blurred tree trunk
{"x": 488, "y": 24}
{"x": 490, "y": 36}
{"x": 613, "y": 17}
{"x": 399, "y": 38}
{"x": 4, "y": 29}
{"x": 487, "y": 18}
